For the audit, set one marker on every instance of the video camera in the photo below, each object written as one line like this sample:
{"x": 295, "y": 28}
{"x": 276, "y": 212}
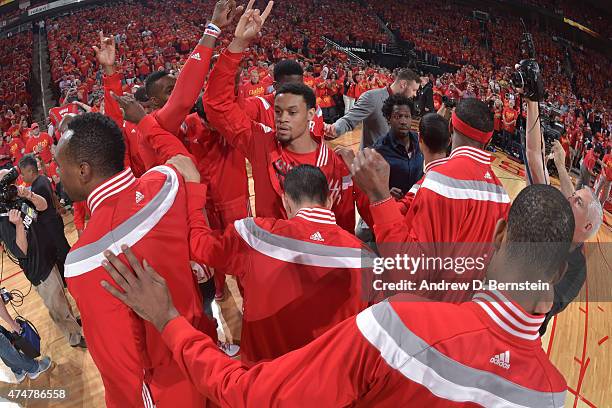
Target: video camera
{"x": 528, "y": 75}
{"x": 449, "y": 102}
{"x": 9, "y": 200}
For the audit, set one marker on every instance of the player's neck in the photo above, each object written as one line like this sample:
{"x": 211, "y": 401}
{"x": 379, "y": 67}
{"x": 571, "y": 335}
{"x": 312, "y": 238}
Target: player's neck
{"x": 429, "y": 157}
{"x": 303, "y": 144}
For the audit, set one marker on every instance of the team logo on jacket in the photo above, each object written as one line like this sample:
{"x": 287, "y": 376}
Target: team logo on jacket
{"x": 139, "y": 197}
{"x": 502, "y": 360}
{"x": 317, "y": 237}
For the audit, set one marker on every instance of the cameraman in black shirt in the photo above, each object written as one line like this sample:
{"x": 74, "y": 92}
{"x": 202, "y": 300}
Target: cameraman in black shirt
{"x": 50, "y": 219}
{"x": 32, "y": 247}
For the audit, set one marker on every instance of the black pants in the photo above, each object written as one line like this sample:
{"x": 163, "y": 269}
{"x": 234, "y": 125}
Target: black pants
{"x": 207, "y": 289}
{"x": 62, "y": 247}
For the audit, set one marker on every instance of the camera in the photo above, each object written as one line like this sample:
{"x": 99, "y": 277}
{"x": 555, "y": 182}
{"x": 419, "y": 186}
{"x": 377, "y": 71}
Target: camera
{"x": 9, "y": 200}
{"x": 6, "y": 295}
{"x": 528, "y": 75}
{"x": 8, "y": 189}
{"x": 449, "y": 102}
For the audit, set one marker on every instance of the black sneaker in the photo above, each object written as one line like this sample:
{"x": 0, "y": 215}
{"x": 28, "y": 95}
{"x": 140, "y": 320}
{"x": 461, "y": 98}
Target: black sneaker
{"x": 80, "y": 344}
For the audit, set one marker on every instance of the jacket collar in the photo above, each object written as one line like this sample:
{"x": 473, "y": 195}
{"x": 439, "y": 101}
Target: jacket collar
{"x": 109, "y": 188}
{"x": 473, "y": 153}
{"x": 435, "y": 163}
{"x": 318, "y": 215}
{"x": 508, "y": 315}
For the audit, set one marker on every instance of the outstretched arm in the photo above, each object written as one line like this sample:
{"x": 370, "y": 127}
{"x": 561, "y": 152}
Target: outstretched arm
{"x": 222, "y": 109}
{"x": 299, "y": 378}
{"x": 536, "y": 171}
{"x": 193, "y": 75}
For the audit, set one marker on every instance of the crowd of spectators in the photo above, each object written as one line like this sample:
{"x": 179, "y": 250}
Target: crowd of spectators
{"x": 156, "y": 35}
{"x": 15, "y": 70}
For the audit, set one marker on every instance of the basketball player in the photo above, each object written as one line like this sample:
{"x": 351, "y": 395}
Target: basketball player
{"x": 401, "y": 351}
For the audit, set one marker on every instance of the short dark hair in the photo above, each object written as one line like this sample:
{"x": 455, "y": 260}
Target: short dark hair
{"x": 299, "y": 89}
{"x": 396, "y": 100}
{"x": 433, "y": 130}
{"x": 540, "y": 229}
{"x": 475, "y": 113}
{"x": 98, "y": 141}
{"x": 287, "y": 67}
{"x": 28, "y": 161}
{"x": 152, "y": 79}
{"x": 407, "y": 74}
{"x": 306, "y": 183}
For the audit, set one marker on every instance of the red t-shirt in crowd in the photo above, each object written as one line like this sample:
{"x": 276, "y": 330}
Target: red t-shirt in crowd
{"x": 41, "y": 145}
{"x": 250, "y": 89}
{"x": 509, "y": 115}
{"x": 590, "y": 159}
{"x": 16, "y": 148}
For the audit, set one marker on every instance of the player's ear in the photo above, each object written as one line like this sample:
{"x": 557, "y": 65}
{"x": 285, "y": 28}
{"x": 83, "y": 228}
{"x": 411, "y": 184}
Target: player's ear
{"x": 287, "y": 204}
{"x": 499, "y": 236}
{"x": 311, "y": 113}
{"x": 329, "y": 202}
{"x": 85, "y": 172}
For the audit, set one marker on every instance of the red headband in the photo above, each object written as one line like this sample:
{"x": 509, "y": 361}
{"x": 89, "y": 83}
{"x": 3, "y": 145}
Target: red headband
{"x": 469, "y": 131}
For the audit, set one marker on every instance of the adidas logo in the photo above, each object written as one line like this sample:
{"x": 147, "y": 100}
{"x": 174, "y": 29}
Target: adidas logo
{"x": 139, "y": 197}
{"x": 488, "y": 176}
{"x": 502, "y": 360}
{"x": 196, "y": 56}
{"x": 317, "y": 236}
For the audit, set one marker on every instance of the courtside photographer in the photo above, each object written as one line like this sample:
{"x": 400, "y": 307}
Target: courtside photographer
{"x": 29, "y": 245}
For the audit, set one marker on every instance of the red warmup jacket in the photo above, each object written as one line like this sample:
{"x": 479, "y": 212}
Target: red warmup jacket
{"x": 147, "y": 214}
{"x": 300, "y": 276}
{"x": 459, "y": 201}
{"x": 269, "y": 160}
{"x": 130, "y": 134}
{"x": 222, "y": 169}
{"x": 171, "y": 116}
{"x": 405, "y": 202}
{"x": 261, "y": 109}
{"x": 396, "y": 353}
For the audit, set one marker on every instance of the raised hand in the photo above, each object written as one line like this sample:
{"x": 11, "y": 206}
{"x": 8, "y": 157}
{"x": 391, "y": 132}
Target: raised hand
{"x": 105, "y": 53}
{"x": 558, "y": 153}
{"x": 131, "y": 109}
{"x": 14, "y": 217}
{"x": 144, "y": 291}
{"x": 251, "y": 22}
{"x": 224, "y": 13}
{"x": 371, "y": 173}
{"x": 186, "y": 167}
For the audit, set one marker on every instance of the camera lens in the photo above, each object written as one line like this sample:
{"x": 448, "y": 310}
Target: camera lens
{"x": 517, "y": 80}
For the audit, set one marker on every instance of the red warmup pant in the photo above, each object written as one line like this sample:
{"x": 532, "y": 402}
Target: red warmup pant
{"x": 219, "y": 217}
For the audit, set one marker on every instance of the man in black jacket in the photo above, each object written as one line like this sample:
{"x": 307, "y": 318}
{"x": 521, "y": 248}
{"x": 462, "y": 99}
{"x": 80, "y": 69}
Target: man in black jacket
{"x": 48, "y": 219}
{"x": 35, "y": 251}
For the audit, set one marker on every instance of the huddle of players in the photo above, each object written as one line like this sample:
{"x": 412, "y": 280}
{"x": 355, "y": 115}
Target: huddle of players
{"x": 147, "y": 178}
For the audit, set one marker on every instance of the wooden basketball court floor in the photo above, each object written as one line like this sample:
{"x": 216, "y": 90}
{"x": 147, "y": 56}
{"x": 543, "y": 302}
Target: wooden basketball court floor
{"x": 577, "y": 340}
